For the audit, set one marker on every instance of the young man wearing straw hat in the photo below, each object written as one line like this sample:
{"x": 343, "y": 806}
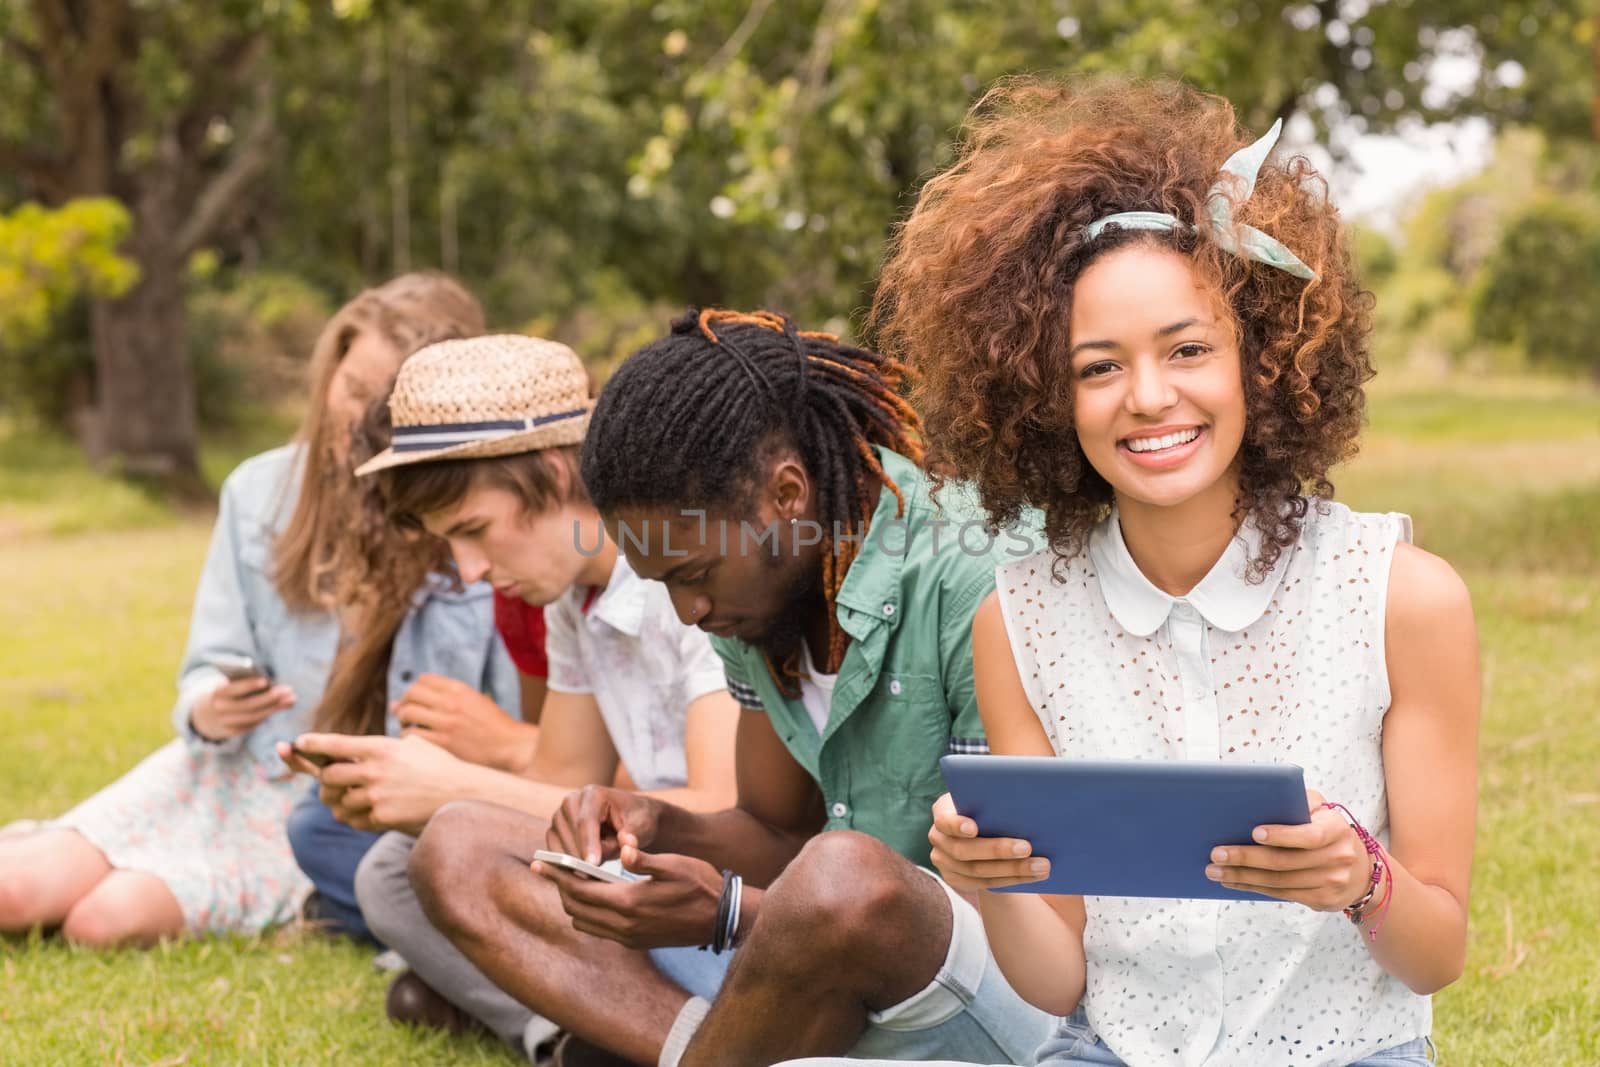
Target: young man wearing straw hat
{"x": 769, "y": 477}
{"x": 484, "y": 455}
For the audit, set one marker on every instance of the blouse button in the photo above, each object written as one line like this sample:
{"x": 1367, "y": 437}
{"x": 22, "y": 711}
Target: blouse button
{"x": 839, "y": 809}
{"x": 895, "y": 687}
{"x": 405, "y": 676}
{"x": 888, "y": 609}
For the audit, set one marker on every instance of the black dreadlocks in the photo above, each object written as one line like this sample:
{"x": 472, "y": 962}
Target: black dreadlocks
{"x": 691, "y": 420}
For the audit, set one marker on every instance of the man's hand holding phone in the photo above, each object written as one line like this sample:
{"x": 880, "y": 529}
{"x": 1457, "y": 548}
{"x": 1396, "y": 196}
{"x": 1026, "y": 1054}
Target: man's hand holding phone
{"x": 590, "y": 822}
{"x": 676, "y": 902}
{"x": 377, "y": 782}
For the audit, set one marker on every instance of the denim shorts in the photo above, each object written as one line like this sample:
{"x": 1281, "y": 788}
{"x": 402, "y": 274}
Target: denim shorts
{"x": 1075, "y": 1044}
{"x": 969, "y": 1011}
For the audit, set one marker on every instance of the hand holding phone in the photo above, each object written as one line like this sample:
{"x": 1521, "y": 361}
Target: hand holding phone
{"x": 573, "y": 863}
{"x": 238, "y": 705}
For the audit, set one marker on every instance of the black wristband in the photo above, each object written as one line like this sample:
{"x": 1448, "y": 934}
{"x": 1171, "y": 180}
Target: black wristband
{"x": 719, "y": 934}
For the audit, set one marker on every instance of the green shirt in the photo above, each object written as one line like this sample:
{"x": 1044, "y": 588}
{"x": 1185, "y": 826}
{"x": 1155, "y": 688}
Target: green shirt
{"x": 904, "y": 695}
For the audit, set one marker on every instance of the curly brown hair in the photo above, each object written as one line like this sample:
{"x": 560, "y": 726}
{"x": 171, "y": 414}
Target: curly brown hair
{"x": 976, "y": 294}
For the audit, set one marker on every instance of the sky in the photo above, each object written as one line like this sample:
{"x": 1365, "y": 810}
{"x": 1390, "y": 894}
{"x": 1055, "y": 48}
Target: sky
{"x": 1381, "y": 175}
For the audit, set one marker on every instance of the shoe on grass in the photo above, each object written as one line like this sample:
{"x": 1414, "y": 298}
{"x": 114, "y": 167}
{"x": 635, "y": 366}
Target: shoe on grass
{"x": 414, "y": 1002}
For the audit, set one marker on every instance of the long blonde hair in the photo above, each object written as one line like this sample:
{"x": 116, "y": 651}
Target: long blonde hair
{"x": 407, "y": 312}
{"x": 376, "y": 568}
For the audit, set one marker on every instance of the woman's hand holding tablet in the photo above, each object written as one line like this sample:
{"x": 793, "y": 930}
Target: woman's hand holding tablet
{"x": 969, "y": 862}
{"x": 1321, "y": 864}
{"x": 1137, "y": 828}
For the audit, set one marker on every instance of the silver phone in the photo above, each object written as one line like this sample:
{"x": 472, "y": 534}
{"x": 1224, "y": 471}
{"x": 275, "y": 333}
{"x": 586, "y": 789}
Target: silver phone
{"x": 238, "y": 668}
{"x": 573, "y": 863}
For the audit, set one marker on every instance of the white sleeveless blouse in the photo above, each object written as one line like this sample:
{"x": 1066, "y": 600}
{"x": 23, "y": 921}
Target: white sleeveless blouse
{"x": 1290, "y": 670}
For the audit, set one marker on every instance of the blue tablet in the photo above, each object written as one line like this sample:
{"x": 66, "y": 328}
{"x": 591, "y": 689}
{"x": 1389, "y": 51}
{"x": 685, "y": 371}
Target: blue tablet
{"x": 1125, "y": 828}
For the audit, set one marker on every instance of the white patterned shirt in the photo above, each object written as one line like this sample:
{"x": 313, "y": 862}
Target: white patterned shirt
{"x": 1288, "y": 670}
{"x": 643, "y": 666}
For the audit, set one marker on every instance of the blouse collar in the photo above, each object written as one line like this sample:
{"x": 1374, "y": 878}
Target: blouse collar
{"x": 1223, "y": 597}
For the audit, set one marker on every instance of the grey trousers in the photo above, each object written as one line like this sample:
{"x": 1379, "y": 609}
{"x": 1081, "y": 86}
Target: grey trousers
{"x": 392, "y": 910}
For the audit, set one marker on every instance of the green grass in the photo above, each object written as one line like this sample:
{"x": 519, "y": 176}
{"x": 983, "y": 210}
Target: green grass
{"x": 1502, "y": 478}
{"x": 279, "y": 999}
{"x": 46, "y": 488}
{"x": 1486, "y": 410}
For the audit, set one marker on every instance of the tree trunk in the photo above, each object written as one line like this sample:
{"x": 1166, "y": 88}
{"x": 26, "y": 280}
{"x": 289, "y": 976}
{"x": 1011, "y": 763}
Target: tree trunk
{"x": 1594, "y": 98}
{"x": 144, "y": 421}
{"x": 399, "y": 154}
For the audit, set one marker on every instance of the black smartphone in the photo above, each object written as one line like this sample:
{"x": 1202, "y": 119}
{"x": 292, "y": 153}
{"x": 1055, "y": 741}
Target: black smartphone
{"x": 316, "y": 759}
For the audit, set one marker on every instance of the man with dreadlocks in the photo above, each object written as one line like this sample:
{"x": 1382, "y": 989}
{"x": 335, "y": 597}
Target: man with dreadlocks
{"x": 770, "y": 478}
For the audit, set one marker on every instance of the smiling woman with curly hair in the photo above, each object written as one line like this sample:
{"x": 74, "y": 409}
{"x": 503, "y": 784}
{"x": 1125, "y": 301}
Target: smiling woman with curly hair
{"x": 978, "y": 290}
{"x": 1126, "y": 316}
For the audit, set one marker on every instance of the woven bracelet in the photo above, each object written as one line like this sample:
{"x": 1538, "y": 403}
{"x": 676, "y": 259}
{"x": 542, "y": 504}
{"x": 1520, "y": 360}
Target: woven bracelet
{"x": 1381, "y": 872}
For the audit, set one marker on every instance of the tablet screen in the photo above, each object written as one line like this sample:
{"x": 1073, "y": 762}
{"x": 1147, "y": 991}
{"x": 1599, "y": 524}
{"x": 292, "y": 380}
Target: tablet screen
{"x": 1131, "y": 828}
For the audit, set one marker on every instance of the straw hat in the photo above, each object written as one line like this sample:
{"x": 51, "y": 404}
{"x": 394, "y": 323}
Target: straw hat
{"x": 485, "y": 396}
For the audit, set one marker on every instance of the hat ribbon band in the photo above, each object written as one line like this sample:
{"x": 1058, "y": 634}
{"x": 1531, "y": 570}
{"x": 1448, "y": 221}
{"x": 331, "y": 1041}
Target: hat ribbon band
{"x": 430, "y": 437}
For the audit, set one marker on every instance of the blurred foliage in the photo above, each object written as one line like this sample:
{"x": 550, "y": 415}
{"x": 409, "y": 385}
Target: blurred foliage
{"x": 1540, "y": 284}
{"x": 47, "y": 257}
{"x": 588, "y": 166}
{"x": 49, "y": 260}
{"x": 746, "y": 152}
{"x": 1495, "y": 272}
{"x": 251, "y": 334}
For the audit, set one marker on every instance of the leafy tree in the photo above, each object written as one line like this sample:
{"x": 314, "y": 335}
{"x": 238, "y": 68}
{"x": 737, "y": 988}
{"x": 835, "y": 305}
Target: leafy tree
{"x": 573, "y": 158}
{"x": 168, "y": 108}
{"x": 50, "y": 260}
{"x": 48, "y": 257}
{"x": 1538, "y": 287}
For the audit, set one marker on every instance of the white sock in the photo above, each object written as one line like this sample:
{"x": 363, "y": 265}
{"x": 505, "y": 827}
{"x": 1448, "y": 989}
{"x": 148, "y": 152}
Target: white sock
{"x": 683, "y": 1029}
{"x": 536, "y": 1034}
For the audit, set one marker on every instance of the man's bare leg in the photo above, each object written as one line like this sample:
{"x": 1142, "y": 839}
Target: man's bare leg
{"x": 850, "y": 927}
{"x": 470, "y": 870}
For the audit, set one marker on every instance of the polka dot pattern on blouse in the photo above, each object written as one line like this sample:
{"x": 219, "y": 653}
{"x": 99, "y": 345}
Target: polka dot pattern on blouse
{"x": 1287, "y": 670}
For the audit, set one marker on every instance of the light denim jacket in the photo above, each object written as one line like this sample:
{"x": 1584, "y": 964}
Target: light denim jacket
{"x": 237, "y": 610}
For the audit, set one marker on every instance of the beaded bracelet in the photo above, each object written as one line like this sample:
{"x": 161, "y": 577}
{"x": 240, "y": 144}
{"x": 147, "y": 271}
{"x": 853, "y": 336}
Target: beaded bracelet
{"x": 1381, "y": 871}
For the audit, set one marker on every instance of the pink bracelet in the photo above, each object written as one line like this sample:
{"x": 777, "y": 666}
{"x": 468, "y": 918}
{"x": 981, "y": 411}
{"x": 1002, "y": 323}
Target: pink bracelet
{"x": 1381, "y": 871}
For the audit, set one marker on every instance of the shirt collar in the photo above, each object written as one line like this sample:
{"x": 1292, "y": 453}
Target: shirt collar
{"x": 1223, "y": 597}
{"x": 621, "y": 603}
{"x": 872, "y": 584}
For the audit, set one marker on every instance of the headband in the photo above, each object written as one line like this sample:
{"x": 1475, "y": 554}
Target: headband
{"x": 1229, "y": 234}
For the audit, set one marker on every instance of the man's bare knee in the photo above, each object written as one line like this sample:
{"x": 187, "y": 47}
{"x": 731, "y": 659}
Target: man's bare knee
{"x": 851, "y": 907}
{"x": 441, "y": 864}
{"x": 467, "y": 850}
{"x": 843, "y": 891}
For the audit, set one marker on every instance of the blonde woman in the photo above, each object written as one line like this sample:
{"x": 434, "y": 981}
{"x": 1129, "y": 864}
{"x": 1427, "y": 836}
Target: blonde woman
{"x": 192, "y": 839}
